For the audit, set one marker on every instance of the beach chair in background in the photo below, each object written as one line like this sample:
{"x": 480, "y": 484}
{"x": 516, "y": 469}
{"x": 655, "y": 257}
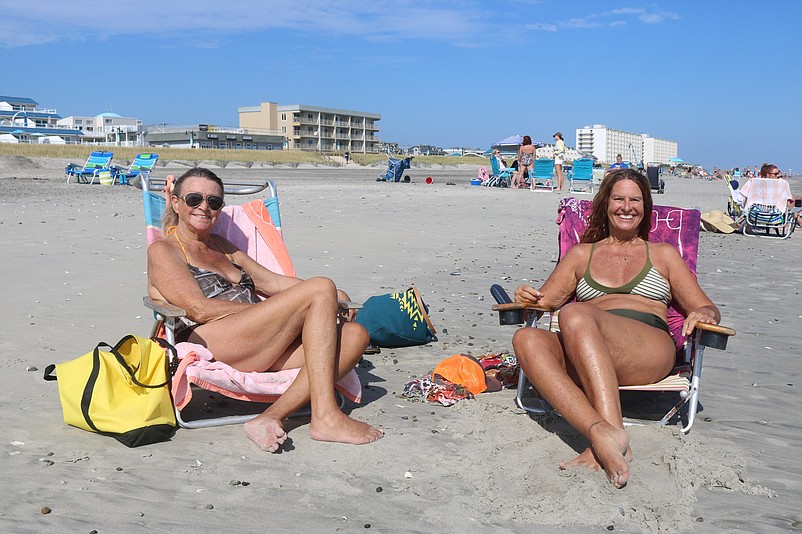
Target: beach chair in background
{"x": 254, "y": 228}
{"x": 766, "y": 208}
{"x": 542, "y": 175}
{"x": 580, "y": 179}
{"x": 499, "y": 178}
{"x": 680, "y": 228}
{"x": 97, "y": 165}
{"x": 142, "y": 162}
{"x": 657, "y": 184}
{"x": 735, "y": 204}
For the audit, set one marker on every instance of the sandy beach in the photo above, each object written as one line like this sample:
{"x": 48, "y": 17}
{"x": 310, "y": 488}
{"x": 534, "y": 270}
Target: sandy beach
{"x": 73, "y": 257}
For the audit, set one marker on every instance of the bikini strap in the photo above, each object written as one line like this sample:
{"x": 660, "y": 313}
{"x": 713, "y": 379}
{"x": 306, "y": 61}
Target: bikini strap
{"x": 172, "y": 231}
{"x": 587, "y": 269}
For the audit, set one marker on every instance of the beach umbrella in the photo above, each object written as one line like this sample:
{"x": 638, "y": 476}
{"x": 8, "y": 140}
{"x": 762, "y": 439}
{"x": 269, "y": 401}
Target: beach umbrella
{"x": 677, "y": 160}
{"x": 508, "y": 141}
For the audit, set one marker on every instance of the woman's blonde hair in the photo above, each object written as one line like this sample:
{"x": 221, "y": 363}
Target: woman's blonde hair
{"x": 170, "y": 217}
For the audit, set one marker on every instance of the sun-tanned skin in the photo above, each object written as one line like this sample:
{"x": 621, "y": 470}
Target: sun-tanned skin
{"x": 579, "y": 369}
{"x": 295, "y": 327}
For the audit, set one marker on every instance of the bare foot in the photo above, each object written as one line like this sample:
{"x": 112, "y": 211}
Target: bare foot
{"x": 269, "y": 434}
{"x": 340, "y": 428}
{"x": 611, "y": 447}
{"x": 586, "y": 459}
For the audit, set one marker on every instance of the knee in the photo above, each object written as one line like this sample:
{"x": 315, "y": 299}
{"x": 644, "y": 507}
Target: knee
{"x": 577, "y": 316}
{"x": 526, "y": 341}
{"x": 321, "y": 287}
{"x": 357, "y": 334}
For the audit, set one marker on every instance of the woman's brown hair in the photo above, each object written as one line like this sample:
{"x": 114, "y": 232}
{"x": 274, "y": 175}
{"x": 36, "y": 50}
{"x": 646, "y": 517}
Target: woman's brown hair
{"x": 170, "y": 217}
{"x": 599, "y": 225}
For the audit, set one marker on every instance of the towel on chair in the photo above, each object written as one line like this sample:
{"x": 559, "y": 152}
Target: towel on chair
{"x": 251, "y": 230}
{"x": 199, "y": 367}
{"x": 767, "y": 191}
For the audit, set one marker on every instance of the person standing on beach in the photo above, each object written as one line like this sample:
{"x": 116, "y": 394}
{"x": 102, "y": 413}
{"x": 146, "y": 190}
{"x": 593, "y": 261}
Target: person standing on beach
{"x": 559, "y": 158}
{"x": 526, "y": 161}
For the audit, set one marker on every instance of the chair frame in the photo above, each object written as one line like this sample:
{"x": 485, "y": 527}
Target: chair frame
{"x": 500, "y": 178}
{"x": 783, "y": 228}
{"x": 123, "y": 175}
{"x": 685, "y": 378}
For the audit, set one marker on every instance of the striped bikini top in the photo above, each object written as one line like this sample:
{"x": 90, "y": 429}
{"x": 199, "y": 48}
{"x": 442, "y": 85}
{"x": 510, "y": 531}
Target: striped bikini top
{"x": 647, "y": 283}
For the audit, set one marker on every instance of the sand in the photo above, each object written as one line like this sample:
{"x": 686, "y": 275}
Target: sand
{"x": 74, "y": 263}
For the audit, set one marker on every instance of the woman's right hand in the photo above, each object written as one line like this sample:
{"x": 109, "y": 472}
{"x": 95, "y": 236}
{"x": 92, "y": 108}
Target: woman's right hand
{"x": 527, "y": 294}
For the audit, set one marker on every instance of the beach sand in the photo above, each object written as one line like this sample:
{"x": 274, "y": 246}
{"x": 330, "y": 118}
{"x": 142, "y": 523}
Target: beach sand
{"x": 73, "y": 258}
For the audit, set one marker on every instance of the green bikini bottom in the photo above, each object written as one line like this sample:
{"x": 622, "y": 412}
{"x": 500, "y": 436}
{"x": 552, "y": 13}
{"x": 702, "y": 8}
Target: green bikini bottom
{"x": 645, "y": 318}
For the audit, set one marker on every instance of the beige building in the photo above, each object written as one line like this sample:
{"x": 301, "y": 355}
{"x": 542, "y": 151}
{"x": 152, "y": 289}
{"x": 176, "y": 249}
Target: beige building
{"x": 315, "y": 128}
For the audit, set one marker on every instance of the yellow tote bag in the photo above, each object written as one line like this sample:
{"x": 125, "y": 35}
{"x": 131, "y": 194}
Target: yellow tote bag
{"x": 122, "y": 392}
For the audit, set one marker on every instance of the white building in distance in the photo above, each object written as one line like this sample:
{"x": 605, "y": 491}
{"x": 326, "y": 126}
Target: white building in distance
{"x": 605, "y": 143}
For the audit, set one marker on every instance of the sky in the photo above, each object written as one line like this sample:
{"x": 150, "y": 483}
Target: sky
{"x": 720, "y": 77}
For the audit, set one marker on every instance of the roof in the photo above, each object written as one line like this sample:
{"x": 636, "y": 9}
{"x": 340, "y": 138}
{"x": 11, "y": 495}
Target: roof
{"x": 29, "y": 114}
{"x": 44, "y": 131}
{"x": 109, "y": 114}
{"x": 18, "y": 100}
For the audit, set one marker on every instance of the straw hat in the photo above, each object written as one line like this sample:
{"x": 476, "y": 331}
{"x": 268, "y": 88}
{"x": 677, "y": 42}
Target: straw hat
{"x": 718, "y": 221}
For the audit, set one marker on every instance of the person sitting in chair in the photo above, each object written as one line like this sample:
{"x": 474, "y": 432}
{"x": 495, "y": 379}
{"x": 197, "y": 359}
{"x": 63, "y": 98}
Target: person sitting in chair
{"x": 623, "y": 286}
{"x": 295, "y": 327}
{"x": 619, "y": 164}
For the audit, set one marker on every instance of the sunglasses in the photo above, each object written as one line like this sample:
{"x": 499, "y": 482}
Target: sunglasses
{"x": 193, "y": 200}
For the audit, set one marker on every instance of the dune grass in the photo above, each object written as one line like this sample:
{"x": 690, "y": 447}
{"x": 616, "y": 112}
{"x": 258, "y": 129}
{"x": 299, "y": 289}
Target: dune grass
{"x": 123, "y": 156}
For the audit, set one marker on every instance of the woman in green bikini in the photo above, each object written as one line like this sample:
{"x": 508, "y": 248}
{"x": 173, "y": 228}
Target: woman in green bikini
{"x": 615, "y": 333}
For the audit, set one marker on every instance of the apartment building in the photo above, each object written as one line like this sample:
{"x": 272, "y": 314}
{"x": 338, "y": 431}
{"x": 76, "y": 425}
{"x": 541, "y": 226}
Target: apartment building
{"x": 106, "y": 129}
{"x": 23, "y": 122}
{"x": 315, "y": 128}
{"x": 605, "y": 143}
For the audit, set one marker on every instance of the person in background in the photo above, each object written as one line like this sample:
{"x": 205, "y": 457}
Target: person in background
{"x": 559, "y": 158}
{"x": 619, "y": 164}
{"x": 501, "y": 163}
{"x": 526, "y": 161}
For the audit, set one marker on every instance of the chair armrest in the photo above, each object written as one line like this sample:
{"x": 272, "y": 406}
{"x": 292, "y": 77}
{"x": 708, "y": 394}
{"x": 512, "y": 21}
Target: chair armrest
{"x": 348, "y": 305}
{"x": 713, "y": 335}
{"x": 163, "y": 308}
{"x": 517, "y": 313}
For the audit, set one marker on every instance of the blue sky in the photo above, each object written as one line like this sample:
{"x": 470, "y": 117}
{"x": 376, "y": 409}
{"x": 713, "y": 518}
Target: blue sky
{"x": 722, "y": 78}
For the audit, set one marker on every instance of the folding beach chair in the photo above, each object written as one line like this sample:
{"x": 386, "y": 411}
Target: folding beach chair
{"x": 97, "y": 165}
{"x": 542, "y": 175}
{"x": 142, "y": 162}
{"x": 680, "y": 228}
{"x": 766, "y": 208}
{"x": 255, "y": 228}
{"x": 581, "y": 178}
{"x": 500, "y": 178}
{"x": 735, "y": 204}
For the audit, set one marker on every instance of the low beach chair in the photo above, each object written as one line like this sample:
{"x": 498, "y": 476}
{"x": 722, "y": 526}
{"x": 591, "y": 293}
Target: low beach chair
{"x": 142, "y": 162}
{"x": 581, "y": 178}
{"x": 97, "y": 163}
{"x": 766, "y": 208}
{"x": 255, "y": 228}
{"x": 680, "y": 228}
{"x": 501, "y": 177}
{"x": 542, "y": 175}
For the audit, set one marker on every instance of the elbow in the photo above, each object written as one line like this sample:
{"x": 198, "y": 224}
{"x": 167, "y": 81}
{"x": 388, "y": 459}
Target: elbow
{"x": 197, "y": 313}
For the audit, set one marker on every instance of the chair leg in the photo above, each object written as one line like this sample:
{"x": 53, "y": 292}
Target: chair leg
{"x": 523, "y": 383}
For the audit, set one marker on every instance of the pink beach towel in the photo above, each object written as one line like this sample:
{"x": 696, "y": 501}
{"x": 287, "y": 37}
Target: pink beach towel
{"x": 199, "y": 367}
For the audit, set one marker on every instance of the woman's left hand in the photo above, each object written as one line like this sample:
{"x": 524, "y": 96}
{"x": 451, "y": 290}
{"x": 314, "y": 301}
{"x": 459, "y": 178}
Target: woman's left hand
{"x": 346, "y": 314}
{"x": 699, "y": 315}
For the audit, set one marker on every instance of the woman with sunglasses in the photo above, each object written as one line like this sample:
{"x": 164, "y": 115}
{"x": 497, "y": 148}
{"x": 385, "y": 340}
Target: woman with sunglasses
{"x": 296, "y": 326}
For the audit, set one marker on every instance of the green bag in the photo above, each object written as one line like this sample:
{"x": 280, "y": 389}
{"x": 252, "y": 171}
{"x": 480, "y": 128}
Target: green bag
{"x": 397, "y": 320}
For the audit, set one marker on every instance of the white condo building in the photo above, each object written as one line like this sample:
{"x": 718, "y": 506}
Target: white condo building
{"x": 605, "y": 143}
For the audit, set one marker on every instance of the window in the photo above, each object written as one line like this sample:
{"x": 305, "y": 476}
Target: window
{"x": 283, "y": 129}
{"x": 310, "y": 116}
{"x": 283, "y": 116}
{"x": 310, "y": 142}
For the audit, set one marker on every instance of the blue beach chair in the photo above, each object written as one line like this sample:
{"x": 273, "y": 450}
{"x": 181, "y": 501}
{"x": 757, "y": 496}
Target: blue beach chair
{"x": 581, "y": 178}
{"x": 98, "y": 162}
{"x": 500, "y": 178}
{"x": 543, "y": 175}
{"x": 142, "y": 162}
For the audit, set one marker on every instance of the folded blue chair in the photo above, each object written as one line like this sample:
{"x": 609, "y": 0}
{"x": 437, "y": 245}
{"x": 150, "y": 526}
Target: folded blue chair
{"x": 98, "y": 162}
{"x": 142, "y": 162}
{"x": 581, "y": 178}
